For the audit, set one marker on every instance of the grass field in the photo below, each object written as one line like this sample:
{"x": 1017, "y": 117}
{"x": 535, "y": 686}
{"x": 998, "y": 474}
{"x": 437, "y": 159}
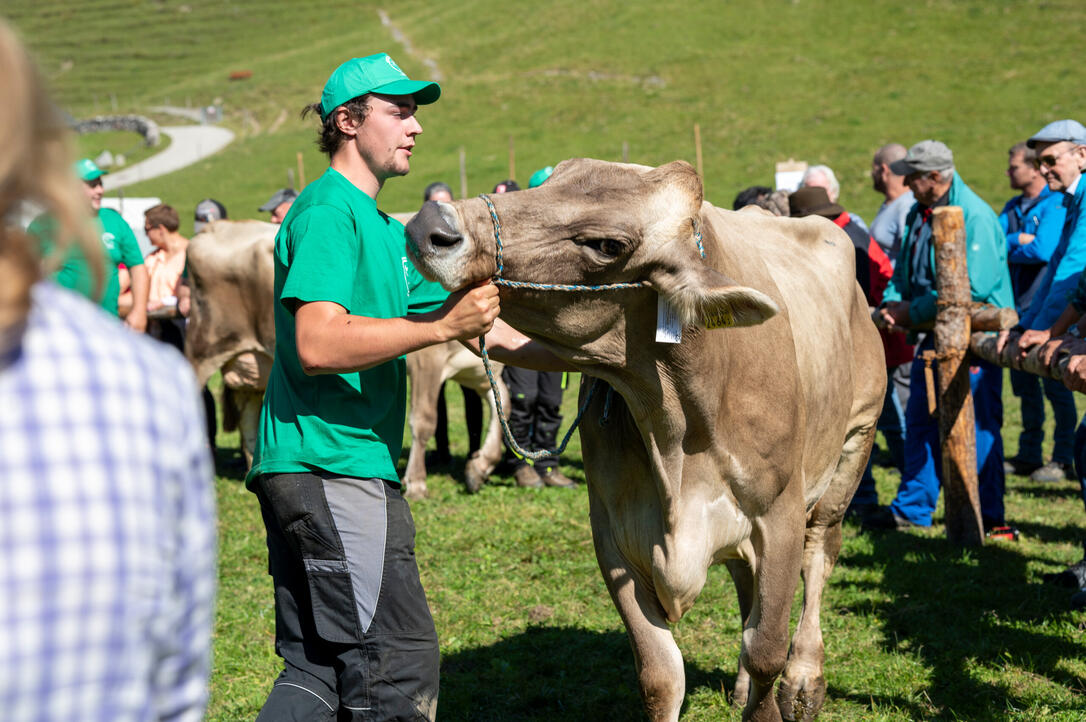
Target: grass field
{"x": 915, "y": 629}
{"x": 827, "y": 81}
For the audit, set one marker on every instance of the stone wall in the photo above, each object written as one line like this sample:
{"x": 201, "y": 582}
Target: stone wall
{"x": 134, "y": 123}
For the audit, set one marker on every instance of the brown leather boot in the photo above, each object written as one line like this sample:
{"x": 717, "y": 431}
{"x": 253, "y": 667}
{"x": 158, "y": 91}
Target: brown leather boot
{"x": 553, "y": 477}
{"x": 527, "y": 477}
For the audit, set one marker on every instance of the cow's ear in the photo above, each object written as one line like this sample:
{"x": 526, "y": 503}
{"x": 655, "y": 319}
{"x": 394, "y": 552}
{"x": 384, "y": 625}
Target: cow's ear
{"x": 707, "y": 298}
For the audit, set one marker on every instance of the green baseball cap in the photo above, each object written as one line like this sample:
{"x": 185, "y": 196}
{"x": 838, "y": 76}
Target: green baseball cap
{"x": 87, "y": 170}
{"x": 540, "y": 176}
{"x": 373, "y": 74}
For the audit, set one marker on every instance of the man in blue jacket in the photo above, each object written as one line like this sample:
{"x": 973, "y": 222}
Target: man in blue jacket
{"x": 1033, "y": 222}
{"x": 909, "y": 304}
{"x": 1061, "y": 156}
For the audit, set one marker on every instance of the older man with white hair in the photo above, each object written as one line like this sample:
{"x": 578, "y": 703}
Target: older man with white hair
{"x": 822, "y": 176}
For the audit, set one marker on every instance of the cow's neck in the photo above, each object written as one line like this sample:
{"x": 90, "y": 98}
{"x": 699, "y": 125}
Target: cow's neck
{"x": 667, "y": 395}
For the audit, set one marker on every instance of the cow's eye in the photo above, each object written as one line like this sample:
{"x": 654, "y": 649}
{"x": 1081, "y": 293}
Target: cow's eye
{"x": 605, "y": 246}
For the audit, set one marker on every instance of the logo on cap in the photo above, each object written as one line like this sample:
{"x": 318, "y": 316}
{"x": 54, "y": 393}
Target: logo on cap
{"x": 392, "y": 64}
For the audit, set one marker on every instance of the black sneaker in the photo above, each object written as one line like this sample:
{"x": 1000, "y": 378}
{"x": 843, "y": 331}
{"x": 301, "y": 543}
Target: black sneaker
{"x": 1053, "y": 471}
{"x": 1014, "y": 465}
{"x": 1073, "y": 577}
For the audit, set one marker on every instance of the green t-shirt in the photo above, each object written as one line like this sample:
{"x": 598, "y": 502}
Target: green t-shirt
{"x": 334, "y": 245}
{"x": 118, "y": 243}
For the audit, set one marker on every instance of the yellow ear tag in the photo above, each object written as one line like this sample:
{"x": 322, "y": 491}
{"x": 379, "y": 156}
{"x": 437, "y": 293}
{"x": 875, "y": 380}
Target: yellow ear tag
{"x": 719, "y": 319}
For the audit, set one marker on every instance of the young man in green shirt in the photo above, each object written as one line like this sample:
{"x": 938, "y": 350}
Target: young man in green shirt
{"x": 352, "y": 623}
{"x": 119, "y": 246}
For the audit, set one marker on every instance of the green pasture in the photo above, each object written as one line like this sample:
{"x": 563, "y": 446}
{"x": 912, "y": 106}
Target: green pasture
{"x": 827, "y": 81}
{"x": 915, "y": 629}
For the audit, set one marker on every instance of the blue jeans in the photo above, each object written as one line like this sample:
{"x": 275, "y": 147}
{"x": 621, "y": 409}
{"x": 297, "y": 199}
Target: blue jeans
{"x": 923, "y": 475}
{"x": 1028, "y": 388}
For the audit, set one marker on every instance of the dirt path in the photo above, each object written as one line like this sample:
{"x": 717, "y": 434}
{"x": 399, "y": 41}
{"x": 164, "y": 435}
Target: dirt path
{"x": 188, "y": 144}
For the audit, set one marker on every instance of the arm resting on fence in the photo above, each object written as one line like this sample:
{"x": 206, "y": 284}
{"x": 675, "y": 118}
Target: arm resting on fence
{"x": 983, "y": 345}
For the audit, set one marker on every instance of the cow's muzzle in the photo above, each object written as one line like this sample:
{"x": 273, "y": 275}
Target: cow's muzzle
{"x": 430, "y": 232}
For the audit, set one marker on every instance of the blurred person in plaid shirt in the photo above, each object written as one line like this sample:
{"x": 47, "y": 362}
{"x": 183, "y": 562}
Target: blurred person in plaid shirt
{"x": 107, "y": 519}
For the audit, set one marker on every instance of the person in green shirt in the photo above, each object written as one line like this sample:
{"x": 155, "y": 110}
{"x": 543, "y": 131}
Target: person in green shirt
{"x": 119, "y": 246}
{"x": 352, "y": 623}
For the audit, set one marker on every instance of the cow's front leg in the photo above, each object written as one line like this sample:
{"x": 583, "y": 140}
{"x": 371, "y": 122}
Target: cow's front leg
{"x": 778, "y": 548}
{"x": 657, "y": 658}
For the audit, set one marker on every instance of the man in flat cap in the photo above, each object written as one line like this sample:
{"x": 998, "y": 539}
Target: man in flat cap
{"x": 1055, "y": 316}
{"x": 279, "y": 204}
{"x": 909, "y": 304}
{"x": 1061, "y": 157}
{"x": 1033, "y": 222}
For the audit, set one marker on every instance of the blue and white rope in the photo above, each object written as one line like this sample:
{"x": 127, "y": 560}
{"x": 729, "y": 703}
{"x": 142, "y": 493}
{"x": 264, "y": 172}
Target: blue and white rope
{"x": 499, "y": 281}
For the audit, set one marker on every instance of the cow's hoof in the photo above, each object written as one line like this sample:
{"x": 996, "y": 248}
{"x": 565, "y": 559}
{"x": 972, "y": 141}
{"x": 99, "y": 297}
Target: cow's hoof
{"x": 473, "y": 479}
{"x": 415, "y": 491}
{"x": 801, "y": 703}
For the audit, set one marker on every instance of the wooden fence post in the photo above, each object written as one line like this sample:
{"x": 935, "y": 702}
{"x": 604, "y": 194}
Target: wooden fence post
{"x": 697, "y": 152}
{"x": 512, "y": 159}
{"x": 463, "y": 173}
{"x": 301, "y": 171}
{"x": 957, "y": 433}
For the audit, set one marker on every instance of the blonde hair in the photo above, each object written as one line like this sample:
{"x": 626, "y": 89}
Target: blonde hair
{"x": 35, "y": 167}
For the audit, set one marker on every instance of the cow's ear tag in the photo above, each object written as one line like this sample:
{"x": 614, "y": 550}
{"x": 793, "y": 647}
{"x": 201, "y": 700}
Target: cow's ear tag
{"x": 669, "y": 328}
{"x": 719, "y": 318}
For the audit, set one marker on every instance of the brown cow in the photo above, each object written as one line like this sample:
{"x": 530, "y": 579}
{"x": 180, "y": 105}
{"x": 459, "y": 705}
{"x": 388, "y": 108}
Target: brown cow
{"x": 231, "y": 327}
{"x": 741, "y": 445}
{"x": 230, "y": 319}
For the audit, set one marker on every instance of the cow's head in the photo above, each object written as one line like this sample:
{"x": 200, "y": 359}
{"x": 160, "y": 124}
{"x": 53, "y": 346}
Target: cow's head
{"x": 592, "y": 223}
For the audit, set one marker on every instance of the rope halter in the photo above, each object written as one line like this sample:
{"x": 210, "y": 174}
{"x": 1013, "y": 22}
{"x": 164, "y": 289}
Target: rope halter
{"x": 499, "y": 281}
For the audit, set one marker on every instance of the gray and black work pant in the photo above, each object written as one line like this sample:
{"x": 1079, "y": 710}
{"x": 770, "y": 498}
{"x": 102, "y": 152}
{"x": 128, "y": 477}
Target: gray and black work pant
{"x": 351, "y": 620}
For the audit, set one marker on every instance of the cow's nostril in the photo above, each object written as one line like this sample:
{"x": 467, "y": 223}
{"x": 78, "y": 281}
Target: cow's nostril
{"x": 444, "y": 237}
{"x": 429, "y": 230}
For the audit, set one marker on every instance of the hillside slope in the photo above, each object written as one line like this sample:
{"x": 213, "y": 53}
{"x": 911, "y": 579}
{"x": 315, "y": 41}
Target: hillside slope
{"x": 811, "y": 79}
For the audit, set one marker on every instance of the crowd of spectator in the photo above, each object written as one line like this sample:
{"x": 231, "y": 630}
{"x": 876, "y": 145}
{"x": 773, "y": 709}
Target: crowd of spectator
{"x": 1031, "y": 256}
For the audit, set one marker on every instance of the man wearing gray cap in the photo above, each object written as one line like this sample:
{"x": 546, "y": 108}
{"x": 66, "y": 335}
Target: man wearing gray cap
{"x": 279, "y": 204}
{"x": 1061, "y": 156}
{"x": 207, "y": 211}
{"x": 909, "y": 304}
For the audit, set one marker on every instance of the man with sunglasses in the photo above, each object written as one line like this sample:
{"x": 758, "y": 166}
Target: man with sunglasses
{"x": 1061, "y": 156}
{"x": 1033, "y": 222}
{"x": 909, "y": 304}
